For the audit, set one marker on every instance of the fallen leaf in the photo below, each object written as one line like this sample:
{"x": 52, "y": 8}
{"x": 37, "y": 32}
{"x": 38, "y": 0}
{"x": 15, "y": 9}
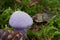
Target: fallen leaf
{"x": 10, "y": 35}
{"x": 33, "y": 2}
{"x": 18, "y": 1}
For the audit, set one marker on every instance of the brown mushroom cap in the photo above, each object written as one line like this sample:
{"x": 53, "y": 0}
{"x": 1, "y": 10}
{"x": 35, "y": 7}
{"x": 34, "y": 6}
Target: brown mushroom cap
{"x": 41, "y": 17}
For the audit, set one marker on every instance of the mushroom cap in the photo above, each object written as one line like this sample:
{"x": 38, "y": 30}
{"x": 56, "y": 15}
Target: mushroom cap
{"x": 20, "y": 19}
{"x": 41, "y": 17}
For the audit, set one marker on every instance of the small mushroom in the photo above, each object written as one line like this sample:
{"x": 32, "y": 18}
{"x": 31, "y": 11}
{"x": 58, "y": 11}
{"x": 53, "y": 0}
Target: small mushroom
{"x": 20, "y": 21}
{"x": 37, "y": 18}
{"x": 41, "y": 17}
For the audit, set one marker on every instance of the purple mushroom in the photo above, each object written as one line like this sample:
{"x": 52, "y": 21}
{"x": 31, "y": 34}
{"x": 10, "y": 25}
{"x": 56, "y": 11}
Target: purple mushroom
{"x": 20, "y": 21}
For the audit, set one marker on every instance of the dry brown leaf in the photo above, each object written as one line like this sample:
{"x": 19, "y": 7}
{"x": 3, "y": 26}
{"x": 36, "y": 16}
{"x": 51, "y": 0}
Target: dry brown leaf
{"x": 33, "y": 2}
{"x": 18, "y": 1}
{"x": 1, "y": 0}
{"x": 10, "y": 35}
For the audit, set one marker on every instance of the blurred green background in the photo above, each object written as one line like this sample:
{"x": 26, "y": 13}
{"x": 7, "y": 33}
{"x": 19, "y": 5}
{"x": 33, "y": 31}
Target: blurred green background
{"x": 32, "y": 7}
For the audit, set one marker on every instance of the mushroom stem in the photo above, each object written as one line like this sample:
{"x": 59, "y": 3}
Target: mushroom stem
{"x": 23, "y": 31}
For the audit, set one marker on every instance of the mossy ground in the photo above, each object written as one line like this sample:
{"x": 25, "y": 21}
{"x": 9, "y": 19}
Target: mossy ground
{"x": 51, "y": 31}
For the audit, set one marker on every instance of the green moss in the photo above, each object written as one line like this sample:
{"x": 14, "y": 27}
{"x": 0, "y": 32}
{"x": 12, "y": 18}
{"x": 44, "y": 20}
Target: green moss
{"x": 43, "y": 6}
